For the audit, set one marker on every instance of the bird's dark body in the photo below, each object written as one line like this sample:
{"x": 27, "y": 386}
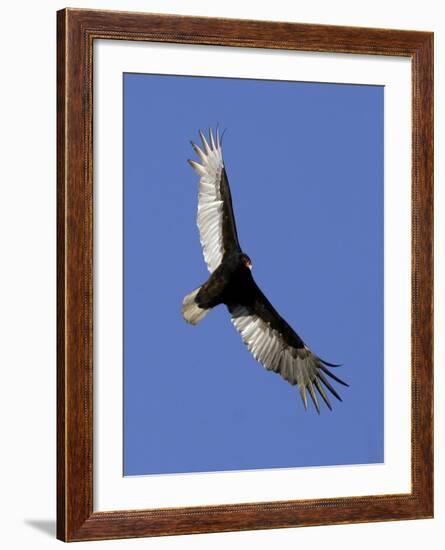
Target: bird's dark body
{"x": 227, "y": 284}
{"x": 232, "y": 284}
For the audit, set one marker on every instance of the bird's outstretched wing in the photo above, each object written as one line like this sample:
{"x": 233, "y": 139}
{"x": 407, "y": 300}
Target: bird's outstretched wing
{"x": 278, "y": 347}
{"x": 216, "y": 222}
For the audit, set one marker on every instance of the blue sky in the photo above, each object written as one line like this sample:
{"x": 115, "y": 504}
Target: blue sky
{"x": 305, "y": 165}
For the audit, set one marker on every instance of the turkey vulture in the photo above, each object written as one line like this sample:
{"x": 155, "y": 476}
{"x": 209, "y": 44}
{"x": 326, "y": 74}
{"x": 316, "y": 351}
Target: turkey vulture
{"x": 267, "y": 335}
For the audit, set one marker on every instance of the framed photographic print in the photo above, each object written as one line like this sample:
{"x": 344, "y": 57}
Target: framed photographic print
{"x": 245, "y": 228}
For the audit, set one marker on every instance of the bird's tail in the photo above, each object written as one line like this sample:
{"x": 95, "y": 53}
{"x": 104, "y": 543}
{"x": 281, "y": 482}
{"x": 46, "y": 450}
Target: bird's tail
{"x": 191, "y": 312}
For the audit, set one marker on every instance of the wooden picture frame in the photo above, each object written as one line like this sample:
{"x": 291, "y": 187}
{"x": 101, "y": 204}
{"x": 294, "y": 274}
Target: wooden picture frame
{"x": 76, "y": 32}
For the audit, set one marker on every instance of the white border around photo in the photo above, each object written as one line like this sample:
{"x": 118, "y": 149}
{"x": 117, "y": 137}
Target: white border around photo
{"x": 113, "y": 491}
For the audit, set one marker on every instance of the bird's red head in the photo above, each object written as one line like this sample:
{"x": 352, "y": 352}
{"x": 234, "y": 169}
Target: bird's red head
{"x": 246, "y": 261}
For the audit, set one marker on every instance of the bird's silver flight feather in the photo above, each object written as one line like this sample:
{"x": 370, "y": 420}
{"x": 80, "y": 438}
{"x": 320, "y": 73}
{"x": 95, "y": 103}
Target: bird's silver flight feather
{"x": 209, "y": 218}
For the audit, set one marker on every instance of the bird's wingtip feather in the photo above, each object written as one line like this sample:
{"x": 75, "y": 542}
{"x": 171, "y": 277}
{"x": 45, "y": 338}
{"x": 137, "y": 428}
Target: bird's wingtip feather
{"x": 333, "y": 376}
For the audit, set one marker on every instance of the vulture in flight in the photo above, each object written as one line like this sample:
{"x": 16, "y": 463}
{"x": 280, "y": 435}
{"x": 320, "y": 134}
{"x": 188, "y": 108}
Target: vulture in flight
{"x": 266, "y": 334}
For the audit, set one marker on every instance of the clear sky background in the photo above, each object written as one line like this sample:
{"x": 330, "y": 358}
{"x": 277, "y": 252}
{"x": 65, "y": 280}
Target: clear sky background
{"x": 305, "y": 165}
